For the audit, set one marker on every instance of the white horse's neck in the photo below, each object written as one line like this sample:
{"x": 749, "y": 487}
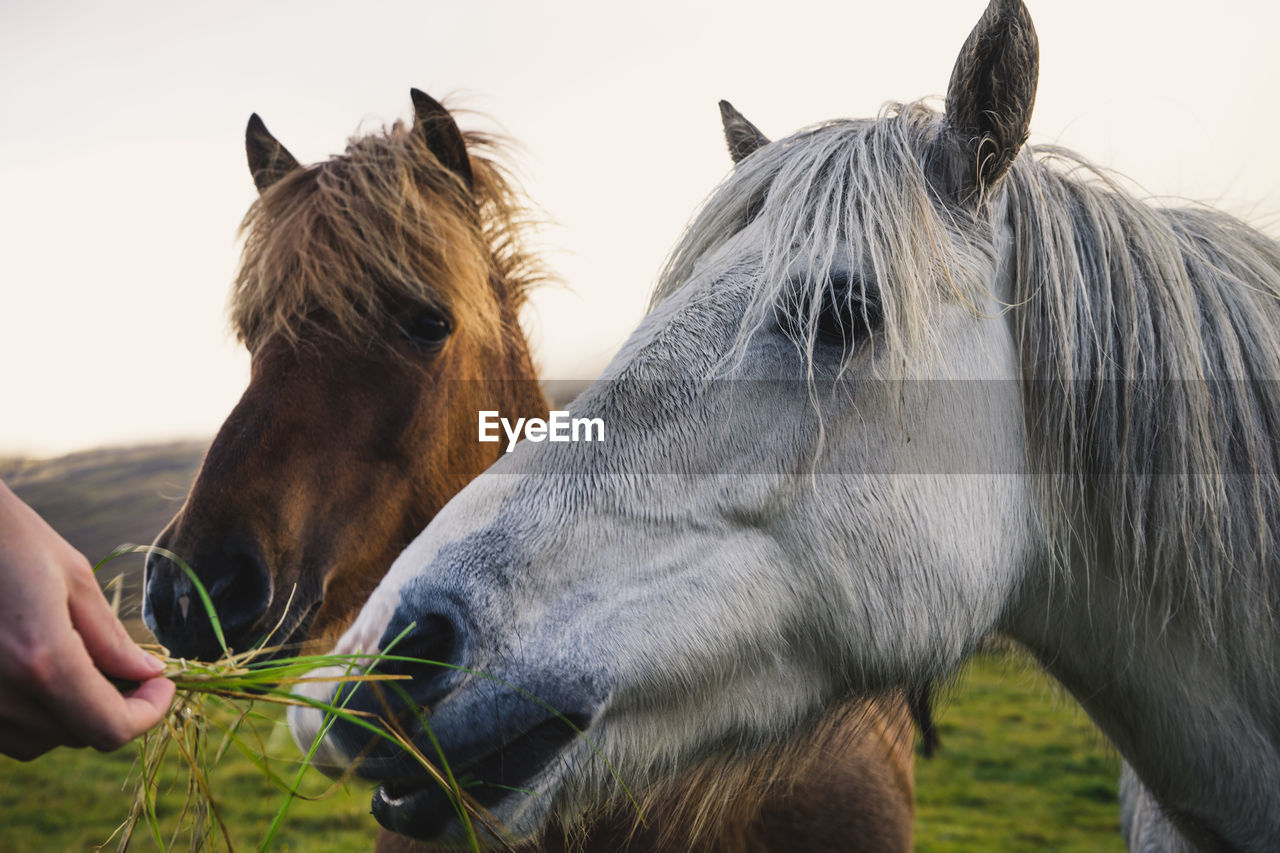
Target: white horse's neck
{"x": 1181, "y": 712}
{"x": 1186, "y": 713}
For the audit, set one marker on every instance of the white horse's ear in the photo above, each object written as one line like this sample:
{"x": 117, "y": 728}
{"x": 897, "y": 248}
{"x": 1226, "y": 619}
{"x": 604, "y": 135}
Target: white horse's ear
{"x": 268, "y": 159}
{"x": 442, "y": 135}
{"x": 742, "y": 136}
{"x": 992, "y": 92}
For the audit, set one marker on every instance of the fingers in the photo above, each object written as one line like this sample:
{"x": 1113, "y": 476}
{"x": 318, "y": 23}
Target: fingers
{"x": 105, "y": 638}
{"x": 27, "y": 733}
{"x": 57, "y": 638}
{"x": 68, "y": 702}
{"x": 86, "y": 703}
{"x": 150, "y": 702}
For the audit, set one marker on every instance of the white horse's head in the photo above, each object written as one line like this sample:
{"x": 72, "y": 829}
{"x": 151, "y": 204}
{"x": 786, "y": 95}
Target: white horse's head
{"x": 806, "y": 486}
{"x": 900, "y": 387}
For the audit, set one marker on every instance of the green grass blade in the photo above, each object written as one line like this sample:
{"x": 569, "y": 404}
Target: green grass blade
{"x": 331, "y": 715}
{"x": 456, "y": 792}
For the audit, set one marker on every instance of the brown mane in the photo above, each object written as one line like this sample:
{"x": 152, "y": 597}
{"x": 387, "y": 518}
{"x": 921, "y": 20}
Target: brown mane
{"x": 787, "y": 795}
{"x": 353, "y": 238}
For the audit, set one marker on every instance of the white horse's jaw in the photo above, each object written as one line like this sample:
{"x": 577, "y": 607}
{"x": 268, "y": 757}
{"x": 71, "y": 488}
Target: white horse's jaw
{"x": 305, "y": 722}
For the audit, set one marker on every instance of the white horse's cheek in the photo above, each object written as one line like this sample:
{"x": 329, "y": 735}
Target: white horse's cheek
{"x": 924, "y": 589}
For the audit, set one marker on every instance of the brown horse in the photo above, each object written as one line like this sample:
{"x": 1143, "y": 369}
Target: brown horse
{"x": 379, "y": 295}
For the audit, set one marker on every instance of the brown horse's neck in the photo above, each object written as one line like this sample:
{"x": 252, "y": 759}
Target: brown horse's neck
{"x": 522, "y": 393}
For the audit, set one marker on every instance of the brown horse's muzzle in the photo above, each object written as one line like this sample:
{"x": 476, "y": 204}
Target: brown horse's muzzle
{"x": 234, "y": 574}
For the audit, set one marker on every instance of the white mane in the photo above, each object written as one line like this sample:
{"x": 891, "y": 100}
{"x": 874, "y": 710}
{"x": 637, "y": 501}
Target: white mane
{"x": 1150, "y": 336}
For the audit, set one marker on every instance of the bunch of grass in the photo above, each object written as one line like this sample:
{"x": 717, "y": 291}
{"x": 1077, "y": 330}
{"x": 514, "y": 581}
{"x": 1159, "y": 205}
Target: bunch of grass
{"x": 212, "y": 712}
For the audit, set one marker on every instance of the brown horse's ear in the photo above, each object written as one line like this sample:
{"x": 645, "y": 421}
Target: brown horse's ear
{"x": 442, "y": 135}
{"x": 268, "y": 159}
{"x": 992, "y": 92}
{"x": 742, "y": 136}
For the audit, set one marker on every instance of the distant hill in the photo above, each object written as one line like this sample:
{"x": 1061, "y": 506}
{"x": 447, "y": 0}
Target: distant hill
{"x": 99, "y": 499}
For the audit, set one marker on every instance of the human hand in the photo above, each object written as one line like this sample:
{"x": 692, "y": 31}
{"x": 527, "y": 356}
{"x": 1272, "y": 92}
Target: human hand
{"x": 59, "y": 641}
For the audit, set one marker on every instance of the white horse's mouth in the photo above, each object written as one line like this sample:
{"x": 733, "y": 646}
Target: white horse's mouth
{"x": 502, "y": 780}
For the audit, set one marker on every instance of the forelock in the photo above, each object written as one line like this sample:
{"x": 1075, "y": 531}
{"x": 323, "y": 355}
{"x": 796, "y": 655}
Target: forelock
{"x": 343, "y": 245}
{"x": 850, "y": 195}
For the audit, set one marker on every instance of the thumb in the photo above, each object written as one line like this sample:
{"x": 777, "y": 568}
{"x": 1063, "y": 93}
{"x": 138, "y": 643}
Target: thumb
{"x": 109, "y": 645}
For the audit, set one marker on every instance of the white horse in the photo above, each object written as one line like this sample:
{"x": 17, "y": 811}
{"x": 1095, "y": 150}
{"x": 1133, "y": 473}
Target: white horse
{"x": 904, "y": 384}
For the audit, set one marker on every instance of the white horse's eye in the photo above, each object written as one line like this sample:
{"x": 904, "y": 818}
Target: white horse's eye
{"x": 849, "y": 314}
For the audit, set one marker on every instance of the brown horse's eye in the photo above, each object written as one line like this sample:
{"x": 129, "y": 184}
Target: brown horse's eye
{"x": 428, "y": 328}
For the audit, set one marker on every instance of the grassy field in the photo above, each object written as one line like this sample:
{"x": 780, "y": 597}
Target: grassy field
{"x": 1021, "y": 767}
{"x": 74, "y": 800}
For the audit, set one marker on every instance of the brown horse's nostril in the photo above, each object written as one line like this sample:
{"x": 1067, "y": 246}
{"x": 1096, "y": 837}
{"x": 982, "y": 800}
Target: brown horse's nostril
{"x": 239, "y": 587}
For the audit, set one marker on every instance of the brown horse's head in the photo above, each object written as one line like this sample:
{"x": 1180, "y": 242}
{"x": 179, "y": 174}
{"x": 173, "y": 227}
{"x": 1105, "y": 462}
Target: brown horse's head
{"x": 378, "y": 296}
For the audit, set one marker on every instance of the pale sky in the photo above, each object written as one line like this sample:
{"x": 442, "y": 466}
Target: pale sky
{"x": 123, "y": 177}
